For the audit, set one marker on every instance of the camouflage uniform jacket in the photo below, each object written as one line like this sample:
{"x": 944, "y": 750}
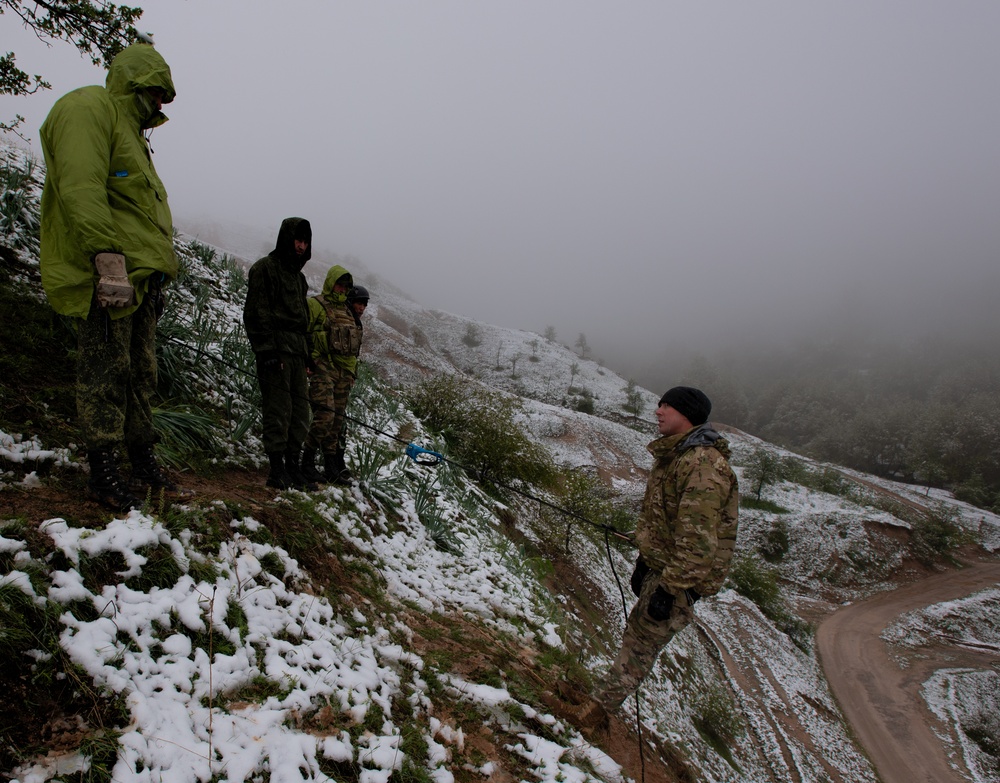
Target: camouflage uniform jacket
{"x": 687, "y": 528}
{"x": 336, "y": 334}
{"x": 276, "y": 315}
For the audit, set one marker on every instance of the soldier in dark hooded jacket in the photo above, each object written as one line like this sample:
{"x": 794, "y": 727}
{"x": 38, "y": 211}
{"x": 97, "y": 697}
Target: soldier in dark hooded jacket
{"x": 276, "y": 317}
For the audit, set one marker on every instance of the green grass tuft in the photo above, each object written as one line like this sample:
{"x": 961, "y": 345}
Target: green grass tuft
{"x": 717, "y": 719}
{"x": 763, "y": 504}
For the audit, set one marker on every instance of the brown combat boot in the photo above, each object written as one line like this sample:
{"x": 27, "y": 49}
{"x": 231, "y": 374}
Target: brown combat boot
{"x": 581, "y": 710}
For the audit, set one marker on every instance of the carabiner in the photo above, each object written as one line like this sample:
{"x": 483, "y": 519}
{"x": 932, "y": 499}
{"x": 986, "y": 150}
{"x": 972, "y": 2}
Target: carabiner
{"x": 423, "y": 456}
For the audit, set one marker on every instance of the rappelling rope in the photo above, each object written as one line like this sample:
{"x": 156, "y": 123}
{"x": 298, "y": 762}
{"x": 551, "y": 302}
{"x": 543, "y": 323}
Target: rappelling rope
{"x": 423, "y": 456}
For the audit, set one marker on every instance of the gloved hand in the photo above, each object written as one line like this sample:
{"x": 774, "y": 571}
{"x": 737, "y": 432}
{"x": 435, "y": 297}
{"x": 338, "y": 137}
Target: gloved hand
{"x": 270, "y": 360}
{"x": 113, "y": 288}
{"x": 660, "y": 604}
{"x": 641, "y": 569}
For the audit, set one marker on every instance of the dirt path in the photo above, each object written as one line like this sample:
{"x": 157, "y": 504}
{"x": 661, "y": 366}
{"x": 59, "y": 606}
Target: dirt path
{"x": 882, "y": 701}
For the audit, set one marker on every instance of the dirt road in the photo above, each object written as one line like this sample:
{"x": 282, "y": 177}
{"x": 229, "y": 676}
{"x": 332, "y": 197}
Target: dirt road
{"x": 882, "y": 701}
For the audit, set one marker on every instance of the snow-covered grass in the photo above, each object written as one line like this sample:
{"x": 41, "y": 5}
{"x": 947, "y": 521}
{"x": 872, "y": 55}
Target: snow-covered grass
{"x": 19, "y": 450}
{"x": 20, "y": 192}
{"x": 971, "y": 621}
{"x": 967, "y": 700}
{"x": 251, "y": 669}
{"x": 232, "y": 675}
{"x": 413, "y": 339}
{"x": 982, "y": 525}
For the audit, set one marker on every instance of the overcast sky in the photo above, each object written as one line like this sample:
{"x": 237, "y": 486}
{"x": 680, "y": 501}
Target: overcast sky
{"x": 643, "y": 172}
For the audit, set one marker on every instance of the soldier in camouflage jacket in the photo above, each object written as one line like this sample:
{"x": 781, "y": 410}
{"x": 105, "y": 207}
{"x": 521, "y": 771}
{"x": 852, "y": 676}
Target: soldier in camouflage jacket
{"x": 686, "y": 534}
{"x": 336, "y": 333}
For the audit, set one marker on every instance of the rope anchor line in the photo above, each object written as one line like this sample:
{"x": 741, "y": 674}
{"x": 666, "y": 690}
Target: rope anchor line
{"x": 430, "y": 458}
{"x": 423, "y": 456}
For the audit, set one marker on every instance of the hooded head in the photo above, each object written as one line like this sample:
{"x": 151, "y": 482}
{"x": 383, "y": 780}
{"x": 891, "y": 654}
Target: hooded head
{"x": 135, "y": 71}
{"x": 292, "y": 229}
{"x": 337, "y": 274}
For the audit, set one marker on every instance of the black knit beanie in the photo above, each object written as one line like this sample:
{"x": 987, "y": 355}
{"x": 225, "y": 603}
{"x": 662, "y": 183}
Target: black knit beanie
{"x": 689, "y": 402}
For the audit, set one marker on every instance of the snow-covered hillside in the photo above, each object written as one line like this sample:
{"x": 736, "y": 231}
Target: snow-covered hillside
{"x": 405, "y": 627}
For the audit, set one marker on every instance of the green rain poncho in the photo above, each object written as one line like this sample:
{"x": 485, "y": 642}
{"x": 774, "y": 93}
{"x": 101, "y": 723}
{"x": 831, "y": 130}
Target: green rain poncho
{"x": 101, "y": 191}
{"x": 335, "y": 340}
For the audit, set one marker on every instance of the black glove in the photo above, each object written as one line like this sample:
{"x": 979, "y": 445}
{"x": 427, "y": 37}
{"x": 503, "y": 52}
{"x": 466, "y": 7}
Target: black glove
{"x": 159, "y": 298}
{"x": 159, "y": 304}
{"x": 270, "y": 360}
{"x": 641, "y": 569}
{"x": 660, "y": 604}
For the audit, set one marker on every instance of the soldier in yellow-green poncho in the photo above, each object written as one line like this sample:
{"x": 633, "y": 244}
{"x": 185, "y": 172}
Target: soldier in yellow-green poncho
{"x": 106, "y": 252}
{"x": 336, "y": 331}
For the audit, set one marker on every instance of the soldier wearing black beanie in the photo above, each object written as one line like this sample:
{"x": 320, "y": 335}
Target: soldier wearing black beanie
{"x": 691, "y": 403}
{"x": 686, "y": 535}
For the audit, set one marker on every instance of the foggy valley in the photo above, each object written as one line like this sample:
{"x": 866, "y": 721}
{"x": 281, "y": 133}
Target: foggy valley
{"x": 560, "y": 210}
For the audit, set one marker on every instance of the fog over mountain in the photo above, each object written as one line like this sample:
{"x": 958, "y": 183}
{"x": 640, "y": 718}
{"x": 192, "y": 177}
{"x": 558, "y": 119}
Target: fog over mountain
{"x": 666, "y": 178}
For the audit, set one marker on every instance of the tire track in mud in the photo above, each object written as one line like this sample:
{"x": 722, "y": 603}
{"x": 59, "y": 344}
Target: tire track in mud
{"x": 880, "y": 699}
{"x": 750, "y": 691}
{"x": 786, "y": 730}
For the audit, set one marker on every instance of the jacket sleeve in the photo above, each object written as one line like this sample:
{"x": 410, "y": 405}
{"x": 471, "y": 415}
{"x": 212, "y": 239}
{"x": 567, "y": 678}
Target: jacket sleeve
{"x": 257, "y": 311}
{"x": 317, "y": 328}
{"x": 78, "y": 136}
{"x": 702, "y": 488}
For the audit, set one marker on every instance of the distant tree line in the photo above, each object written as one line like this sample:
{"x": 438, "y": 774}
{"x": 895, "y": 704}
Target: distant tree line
{"x": 927, "y": 415}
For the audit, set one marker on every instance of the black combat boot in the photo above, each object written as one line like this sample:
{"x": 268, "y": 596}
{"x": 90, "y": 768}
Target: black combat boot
{"x": 332, "y": 468}
{"x": 106, "y": 485}
{"x": 294, "y": 472}
{"x": 308, "y": 470}
{"x": 336, "y": 471}
{"x": 148, "y": 476}
{"x": 345, "y": 473}
{"x": 278, "y": 477}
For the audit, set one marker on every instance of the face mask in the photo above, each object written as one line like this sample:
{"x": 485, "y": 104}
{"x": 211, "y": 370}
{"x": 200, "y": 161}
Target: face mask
{"x": 147, "y": 107}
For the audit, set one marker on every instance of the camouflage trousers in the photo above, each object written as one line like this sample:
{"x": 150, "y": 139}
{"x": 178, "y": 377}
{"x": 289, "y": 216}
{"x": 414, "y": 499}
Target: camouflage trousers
{"x": 329, "y": 393}
{"x": 642, "y": 642}
{"x": 116, "y": 376}
{"x": 284, "y": 403}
